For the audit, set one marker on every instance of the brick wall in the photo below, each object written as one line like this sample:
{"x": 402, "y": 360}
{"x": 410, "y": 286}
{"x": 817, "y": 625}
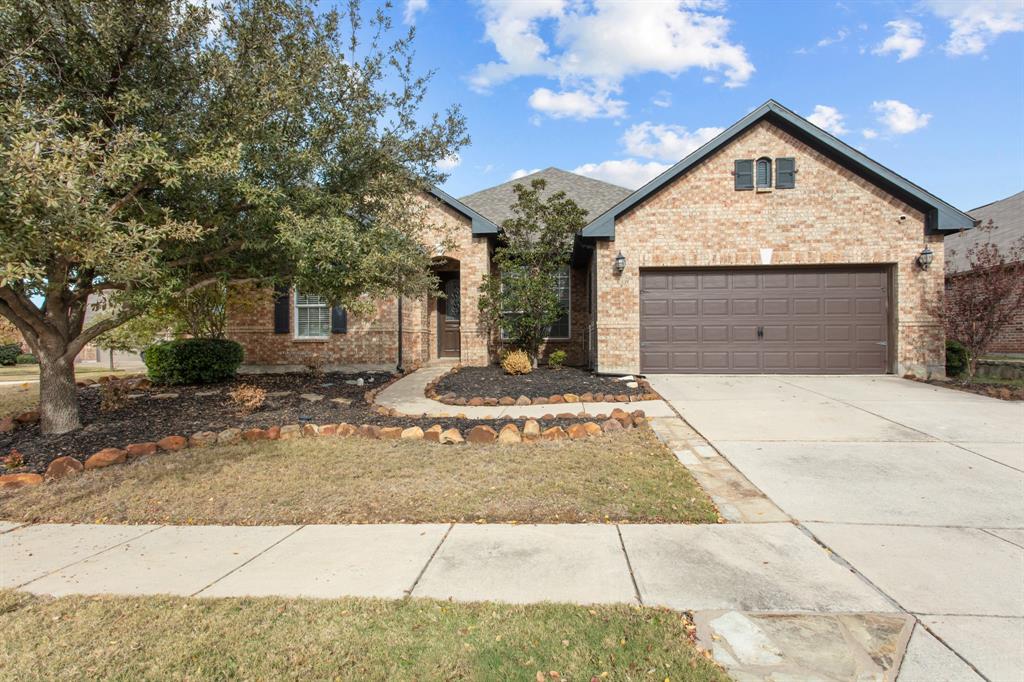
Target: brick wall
{"x": 1011, "y": 338}
{"x": 832, "y": 216}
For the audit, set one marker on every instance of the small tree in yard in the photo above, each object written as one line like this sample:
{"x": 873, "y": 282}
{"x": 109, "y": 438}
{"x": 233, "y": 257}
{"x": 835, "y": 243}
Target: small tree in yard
{"x": 520, "y": 299}
{"x": 981, "y": 302}
{"x": 152, "y": 148}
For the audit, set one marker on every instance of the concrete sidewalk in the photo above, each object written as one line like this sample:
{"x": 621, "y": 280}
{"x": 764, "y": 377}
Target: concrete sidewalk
{"x": 408, "y": 396}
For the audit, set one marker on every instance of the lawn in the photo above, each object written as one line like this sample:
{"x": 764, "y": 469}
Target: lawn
{"x": 24, "y": 396}
{"x": 629, "y": 477}
{"x": 73, "y": 638}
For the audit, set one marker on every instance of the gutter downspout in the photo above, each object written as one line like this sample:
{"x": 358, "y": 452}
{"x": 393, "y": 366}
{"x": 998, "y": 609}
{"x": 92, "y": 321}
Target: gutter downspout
{"x": 398, "y": 367}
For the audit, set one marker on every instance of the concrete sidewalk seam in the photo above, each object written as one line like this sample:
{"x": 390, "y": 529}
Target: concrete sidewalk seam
{"x": 13, "y": 528}
{"x": 629, "y": 566}
{"x": 248, "y": 561}
{"x": 86, "y": 558}
{"x": 956, "y": 653}
{"x": 913, "y": 525}
{"x": 430, "y": 559}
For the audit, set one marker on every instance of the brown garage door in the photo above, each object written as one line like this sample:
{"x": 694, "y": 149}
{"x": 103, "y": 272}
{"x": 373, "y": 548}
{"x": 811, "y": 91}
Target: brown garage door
{"x": 764, "y": 320}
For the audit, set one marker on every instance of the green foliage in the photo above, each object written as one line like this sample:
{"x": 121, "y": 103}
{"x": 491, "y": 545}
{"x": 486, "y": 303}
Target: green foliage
{"x": 193, "y": 361}
{"x": 27, "y": 359}
{"x": 957, "y": 358}
{"x": 557, "y": 359}
{"x": 517, "y": 362}
{"x": 9, "y": 353}
{"x": 533, "y": 247}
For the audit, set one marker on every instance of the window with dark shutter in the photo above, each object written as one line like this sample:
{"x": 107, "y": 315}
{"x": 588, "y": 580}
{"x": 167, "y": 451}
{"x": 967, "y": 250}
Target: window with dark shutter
{"x": 744, "y": 173}
{"x": 339, "y": 320}
{"x": 785, "y": 173}
{"x": 282, "y": 310}
{"x": 764, "y": 173}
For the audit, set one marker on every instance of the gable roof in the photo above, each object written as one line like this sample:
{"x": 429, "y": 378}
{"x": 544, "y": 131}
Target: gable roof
{"x": 595, "y": 196}
{"x": 1007, "y": 216}
{"x": 480, "y": 224}
{"x": 940, "y": 215}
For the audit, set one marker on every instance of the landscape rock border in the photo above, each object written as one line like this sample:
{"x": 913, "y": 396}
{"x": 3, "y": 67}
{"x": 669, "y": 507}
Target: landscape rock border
{"x": 557, "y": 399}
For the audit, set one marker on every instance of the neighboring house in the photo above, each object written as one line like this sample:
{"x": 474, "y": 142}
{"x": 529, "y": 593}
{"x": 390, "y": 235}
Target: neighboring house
{"x": 773, "y": 248}
{"x": 1007, "y": 216}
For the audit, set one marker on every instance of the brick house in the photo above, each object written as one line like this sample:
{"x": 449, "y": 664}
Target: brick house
{"x": 773, "y": 248}
{"x": 1007, "y": 216}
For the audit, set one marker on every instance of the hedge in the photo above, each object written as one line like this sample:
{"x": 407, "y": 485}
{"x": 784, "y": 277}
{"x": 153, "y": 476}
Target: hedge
{"x": 193, "y": 361}
{"x": 9, "y": 353}
{"x": 957, "y": 357}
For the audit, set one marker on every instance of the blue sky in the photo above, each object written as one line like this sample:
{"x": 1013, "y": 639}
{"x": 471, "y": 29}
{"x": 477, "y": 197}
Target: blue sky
{"x": 619, "y": 90}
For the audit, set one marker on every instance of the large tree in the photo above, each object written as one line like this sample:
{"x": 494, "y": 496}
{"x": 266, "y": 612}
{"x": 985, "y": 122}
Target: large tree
{"x": 150, "y": 148}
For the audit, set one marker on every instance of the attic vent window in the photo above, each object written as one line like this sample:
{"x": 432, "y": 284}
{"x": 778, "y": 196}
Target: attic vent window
{"x": 764, "y": 173}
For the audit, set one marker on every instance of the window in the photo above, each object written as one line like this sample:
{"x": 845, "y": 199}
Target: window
{"x": 764, "y": 173}
{"x": 559, "y": 331}
{"x": 312, "y": 317}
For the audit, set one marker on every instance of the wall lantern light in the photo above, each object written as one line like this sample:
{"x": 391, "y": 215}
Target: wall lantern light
{"x": 926, "y": 258}
{"x": 619, "y": 263}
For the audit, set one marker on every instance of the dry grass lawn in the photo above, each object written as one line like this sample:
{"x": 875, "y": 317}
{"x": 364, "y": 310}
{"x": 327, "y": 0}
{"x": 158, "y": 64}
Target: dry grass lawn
{"x": 24, "y": 395}
{"x": 627, "y": 477}
{"x": 76, "y": 638}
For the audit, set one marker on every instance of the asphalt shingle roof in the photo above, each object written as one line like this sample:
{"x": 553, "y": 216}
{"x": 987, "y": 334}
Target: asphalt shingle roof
{"x": 595, "y": 196}
{"x": 1008, "y": 217}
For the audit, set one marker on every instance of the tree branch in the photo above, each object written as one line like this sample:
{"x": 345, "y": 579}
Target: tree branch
{"x": 205, "y": 258}
{"x": 120, "y": 203}
{"x": 22, "y": 308}
{"x": 87, "y": 335}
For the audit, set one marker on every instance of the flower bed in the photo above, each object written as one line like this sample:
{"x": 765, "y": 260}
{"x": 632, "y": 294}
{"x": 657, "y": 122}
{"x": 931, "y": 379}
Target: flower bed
{"x": 490, "y": 385}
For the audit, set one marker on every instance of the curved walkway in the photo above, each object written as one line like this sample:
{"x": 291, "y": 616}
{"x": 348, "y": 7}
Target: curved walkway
{"x": 408, "y": 396}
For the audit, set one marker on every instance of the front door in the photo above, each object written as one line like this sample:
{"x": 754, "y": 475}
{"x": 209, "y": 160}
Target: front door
{"x": 449, "y": 311}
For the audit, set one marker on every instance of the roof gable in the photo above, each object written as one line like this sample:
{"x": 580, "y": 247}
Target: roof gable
{"x": 940, "y": 216}
{"x": 480, "y": 225}
{"x": 1007, "y": 216}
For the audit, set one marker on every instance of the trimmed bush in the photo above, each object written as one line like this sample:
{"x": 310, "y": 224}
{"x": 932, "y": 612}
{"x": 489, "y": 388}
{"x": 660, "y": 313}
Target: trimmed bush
{"x": 957, "y": 357}
{"x": 192, "y": 361}
{"x": 557, "y": 359}
{"x": 9, "y": 353}
{"x": 27, "y": 359}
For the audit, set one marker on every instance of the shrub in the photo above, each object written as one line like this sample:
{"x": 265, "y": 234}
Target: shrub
{"x": 957, "y": 358}
{"x": 193, "y": 361}
{"x": 517, "y": 362}
{"x": 248, "y": 398}
{"x": 114, "y": 395}
{"x": 27, "y": 359}
{"x": 557, "y": 359}
{"x": 9, "y": 353}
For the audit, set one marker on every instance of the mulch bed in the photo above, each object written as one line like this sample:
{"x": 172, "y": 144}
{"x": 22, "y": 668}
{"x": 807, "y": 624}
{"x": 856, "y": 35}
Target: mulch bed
{"x": 148, "y": 417}
{"x": 1010, "y": 392}
{"x": 491, "y": 381}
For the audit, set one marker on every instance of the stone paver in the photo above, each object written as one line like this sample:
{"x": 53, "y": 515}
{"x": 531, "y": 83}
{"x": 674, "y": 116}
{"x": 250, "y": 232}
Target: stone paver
{"x": 934, "y": 570}
{"x": 750, "y": 567}
{"x": 179, "y": 560}
{"x": 865, "y": 483}
{"x": 335, "y": 561}
{"x": 995, "y": 646}
{"x": 927, "y": 660}
{"x": 31, "y": 552}
{"x": 569, "y": 563}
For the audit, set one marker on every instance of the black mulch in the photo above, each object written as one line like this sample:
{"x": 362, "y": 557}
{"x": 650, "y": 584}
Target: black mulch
{"x": 543, "y": 382}
{"x": 209, "y": 408}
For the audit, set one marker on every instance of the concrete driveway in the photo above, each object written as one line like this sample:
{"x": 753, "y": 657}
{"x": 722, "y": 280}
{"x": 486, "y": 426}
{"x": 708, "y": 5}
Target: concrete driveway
{"x": 919, "y": 488}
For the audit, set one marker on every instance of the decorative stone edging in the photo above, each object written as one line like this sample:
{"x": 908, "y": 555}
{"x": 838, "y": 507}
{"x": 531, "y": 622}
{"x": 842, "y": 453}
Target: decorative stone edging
{"x": 67, "y": 466}
{"x": 557, "y": 399}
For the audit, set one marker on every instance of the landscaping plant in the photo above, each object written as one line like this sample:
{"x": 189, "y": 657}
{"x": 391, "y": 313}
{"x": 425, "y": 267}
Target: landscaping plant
{"x": 956, "y": 358}
{"x": 521, "y": 300}
{"x": 114, "y": 395}
{"x": 153, "y": 149}
{"x": 557, "y": 359}
{"x": 193, "y": 361}
{"x": 248, "y": 398}
{"x": 9, "y": 353}
{"x": 517, "y": 362}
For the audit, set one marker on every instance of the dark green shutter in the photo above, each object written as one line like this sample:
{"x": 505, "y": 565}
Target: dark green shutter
{"x": 785, "y": 173}
{"x": 282, "y": 310}
{"x": 744, "y": 174}
{"x": 339, "y": 320}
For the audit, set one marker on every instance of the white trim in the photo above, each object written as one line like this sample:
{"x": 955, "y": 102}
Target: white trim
{"x": 295, "y": 319}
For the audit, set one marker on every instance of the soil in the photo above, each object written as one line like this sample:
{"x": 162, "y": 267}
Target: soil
{"x": 148, "y": 417}
{"x": 1002, "y": 392}
{"x": 492, "y": 382}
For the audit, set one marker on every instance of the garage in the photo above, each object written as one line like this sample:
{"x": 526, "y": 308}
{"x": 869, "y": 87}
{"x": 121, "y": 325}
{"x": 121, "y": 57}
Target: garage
{"x": 814, "y": 320}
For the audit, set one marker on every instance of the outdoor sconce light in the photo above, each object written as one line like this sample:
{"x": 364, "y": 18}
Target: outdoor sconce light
{"x": 926, "y": 258}
{"x": 619, "y": 263}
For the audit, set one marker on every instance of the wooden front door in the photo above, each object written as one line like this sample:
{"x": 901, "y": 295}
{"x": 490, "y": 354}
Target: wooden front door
{"x": 449, "y": 311}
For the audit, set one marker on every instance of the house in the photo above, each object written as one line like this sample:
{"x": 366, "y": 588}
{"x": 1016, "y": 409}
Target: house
{"x": 1007, "y": 216}
{"x": 773, "y": 248}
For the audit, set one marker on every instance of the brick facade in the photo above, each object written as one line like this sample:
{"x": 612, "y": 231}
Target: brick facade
{"x": 832, "y": 216}
{"x": 1011, "y": 338}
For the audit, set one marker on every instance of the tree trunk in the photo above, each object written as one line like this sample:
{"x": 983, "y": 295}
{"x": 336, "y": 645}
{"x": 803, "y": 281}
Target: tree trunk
{"x": 58, "y": 395}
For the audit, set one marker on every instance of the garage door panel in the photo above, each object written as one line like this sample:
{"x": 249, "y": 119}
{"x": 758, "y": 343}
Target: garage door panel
{"x": 811, "y": 320}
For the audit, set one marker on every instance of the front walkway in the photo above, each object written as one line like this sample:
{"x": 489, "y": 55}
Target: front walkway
{"x": 408, "y": 396}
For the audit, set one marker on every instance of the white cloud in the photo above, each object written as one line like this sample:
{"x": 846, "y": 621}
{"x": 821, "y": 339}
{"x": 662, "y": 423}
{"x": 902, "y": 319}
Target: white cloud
{"x": 662, "y": 99}
{"x": 906, "y": 39}
{"x": 899, "y": 118}
{"x": 828, "y": 118}
{"x": 839, "y": 37}
{"x": 627, "y": 173}
{"x": 869, "y": 133}
{"x": 522, "y": 173}
{"x": 583, "y": 46}
{"x": 976, "y": 23}
{"x": 449, "y": 163}
{"x": 577, "y": 104}
{"x": 664, "y": 142}
{"x": 412, "y": 8}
